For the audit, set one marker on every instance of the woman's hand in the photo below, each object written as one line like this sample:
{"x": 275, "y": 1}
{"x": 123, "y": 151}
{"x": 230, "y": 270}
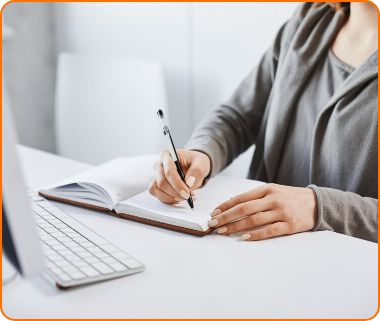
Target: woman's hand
{"x": 270, "y": 209}
{"x": 167, "y": 185}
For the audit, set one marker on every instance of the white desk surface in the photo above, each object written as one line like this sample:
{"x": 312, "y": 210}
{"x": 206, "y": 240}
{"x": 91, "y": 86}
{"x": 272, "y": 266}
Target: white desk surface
{"x": 309, "y": 275}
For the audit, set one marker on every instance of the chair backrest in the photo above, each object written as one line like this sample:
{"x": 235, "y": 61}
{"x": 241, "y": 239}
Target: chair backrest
{"x": 106, "y": 107}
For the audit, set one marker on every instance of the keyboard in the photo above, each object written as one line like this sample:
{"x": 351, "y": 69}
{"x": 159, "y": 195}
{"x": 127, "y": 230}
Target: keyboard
{"x": 73, "y": 253}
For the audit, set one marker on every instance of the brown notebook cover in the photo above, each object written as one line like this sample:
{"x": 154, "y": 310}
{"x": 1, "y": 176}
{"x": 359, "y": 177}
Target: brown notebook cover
{"x": 130, "y": 217}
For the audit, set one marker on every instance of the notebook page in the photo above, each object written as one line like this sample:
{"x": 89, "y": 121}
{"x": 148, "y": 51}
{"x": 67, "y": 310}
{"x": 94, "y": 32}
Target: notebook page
{"x": 120, "y": 178}
{"x": 218, "y": 190}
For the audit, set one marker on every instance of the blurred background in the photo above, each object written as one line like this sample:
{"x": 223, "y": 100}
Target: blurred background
{"x": 85, "y": 79}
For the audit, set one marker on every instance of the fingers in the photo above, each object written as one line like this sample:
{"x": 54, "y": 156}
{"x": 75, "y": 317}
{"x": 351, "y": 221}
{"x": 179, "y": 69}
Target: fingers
{"x": 253, "y": 194}
{"x": 251, "y": 221}
{"x": 272, "y": 230}
{"x": 195, "y": 174}
{"x": 239, "y": 211}
{"x": 162, "y": 182}
{"x": 158, "y": 193}
{"x": 172, "y": 176}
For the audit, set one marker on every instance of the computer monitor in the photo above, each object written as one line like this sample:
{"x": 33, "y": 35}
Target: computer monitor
{"x": 19, "y": 234}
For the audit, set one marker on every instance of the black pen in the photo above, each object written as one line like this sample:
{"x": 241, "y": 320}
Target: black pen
{"x": 173, "y": 152}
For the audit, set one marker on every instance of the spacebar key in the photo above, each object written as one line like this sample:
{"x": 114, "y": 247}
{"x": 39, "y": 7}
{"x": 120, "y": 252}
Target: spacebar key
{"x": 86, "y": 232}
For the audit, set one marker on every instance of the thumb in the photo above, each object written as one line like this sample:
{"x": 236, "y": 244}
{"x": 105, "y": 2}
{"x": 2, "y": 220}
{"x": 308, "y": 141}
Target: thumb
{"x": 195, "y": 175}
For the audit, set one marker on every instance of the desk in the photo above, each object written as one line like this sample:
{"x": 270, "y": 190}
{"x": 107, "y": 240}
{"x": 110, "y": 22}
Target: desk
{"x": 309, "y": 275}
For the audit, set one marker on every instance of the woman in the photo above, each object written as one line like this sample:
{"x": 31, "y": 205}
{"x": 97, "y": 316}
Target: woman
{"x": 310, "y": 107}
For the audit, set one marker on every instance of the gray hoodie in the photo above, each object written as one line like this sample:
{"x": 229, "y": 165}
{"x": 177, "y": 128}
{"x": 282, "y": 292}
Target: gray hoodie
{"x": 343, "y": 160}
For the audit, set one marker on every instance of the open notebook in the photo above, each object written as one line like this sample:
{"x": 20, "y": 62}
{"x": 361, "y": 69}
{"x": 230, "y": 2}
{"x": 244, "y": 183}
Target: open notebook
{"x": 120, "y": 187}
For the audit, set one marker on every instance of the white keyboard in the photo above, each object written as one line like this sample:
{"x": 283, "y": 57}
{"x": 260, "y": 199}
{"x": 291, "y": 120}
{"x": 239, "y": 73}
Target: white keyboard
{"x": 74, "y": 254}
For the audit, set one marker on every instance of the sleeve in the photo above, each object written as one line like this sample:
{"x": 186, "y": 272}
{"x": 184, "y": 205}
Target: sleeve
{"x": 347, "y": 213}
{"x": 231, "y": 129}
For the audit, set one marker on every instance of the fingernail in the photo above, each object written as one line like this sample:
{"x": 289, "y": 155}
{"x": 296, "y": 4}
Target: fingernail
{"x": 178, "y": 199}
{"x": 184, "y": 194}
{"x": 190, "y": 181}
{"x": 216, "y": 212}
{"x": 246, "y": 236}
{"x": 213, "y": 222}
{"x": 192, "y": 194}
{"x": 194, "y": 198}
{"x": 222, "y": 230}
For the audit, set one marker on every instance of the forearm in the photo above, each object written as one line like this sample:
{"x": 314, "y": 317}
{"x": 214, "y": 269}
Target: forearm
{"x": 346, "y": 213}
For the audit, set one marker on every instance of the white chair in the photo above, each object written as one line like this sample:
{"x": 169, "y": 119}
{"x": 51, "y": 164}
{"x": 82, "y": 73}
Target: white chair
{"x": 106, "y": 107}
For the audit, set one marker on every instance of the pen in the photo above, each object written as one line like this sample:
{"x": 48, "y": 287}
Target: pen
{"x": 173, "y": 152}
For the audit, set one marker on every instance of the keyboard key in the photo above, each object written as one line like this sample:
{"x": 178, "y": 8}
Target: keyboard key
{"x": 80, "y": 239}
{"x": 39, "y": 221}
{"x": 46, "y": 237}
{"x": 87, "y": 233}
{"x": 56, "y": 270}
{"x": 42, "y": 232}
{"x": 52, "y": 242}
{"x": 94, "y": 249}
{"x": 50, "y": 229}
{"x": 45, "y": 225}
{"x": 89, "y": 271}
{"x": 77, "y": 275}
{"x": 87, "y": 244}
{"x": 49, "y": 217}
{"x": 102, "y": 268}
{"x": 65, "y": 252}
{"x": 64, "y": 239}
{"x": 118, "y": 267}
{"x": 37, "y": 198}
{"x": 80, "y": 263}
{"x": 78, "y": 250}
{"x": 34, "y": 207}
{"x": 70, "y": 243}
{"x": 57, "y": 234}
{"x": 64, "y": 277}
{"x": 55, "y": 257}
{"x": 62, "y": 263}
{"x": 59, "y": 214}
{"x": 120, "y": 255}
{"x": 84, "y": 255}
{"x": 50, "y": 264}
{"x": 109, "y": 260}
{"x": 69, "y": 269}
{"x": 73, "y": 235}
{"x": 42, "y": 213}
{"x": 59, "y": 247}
{"x": 109, "y": 248}
{"x": 67, "y": 230}
{"x": 72, "y": 258}
{"x": 54, "y": 222}
{"x": 131, "y": 263}
{"x": 92, "y": 260}
{"x": 60, "y": 226}
{"x": 101, "y": 255}
{"x": 45, "y": 204}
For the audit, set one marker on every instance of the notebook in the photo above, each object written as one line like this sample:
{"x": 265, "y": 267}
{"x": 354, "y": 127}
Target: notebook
{"x": 120, "y": 187}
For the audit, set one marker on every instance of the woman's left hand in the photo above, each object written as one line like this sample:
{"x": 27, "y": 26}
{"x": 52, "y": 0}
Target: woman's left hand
{"x": 270, "y": 209}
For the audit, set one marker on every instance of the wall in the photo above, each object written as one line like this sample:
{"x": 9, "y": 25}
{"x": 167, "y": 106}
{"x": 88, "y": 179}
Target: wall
{"x": 29, "y": 71}
{"x": 145, "y": 31}
{"x": 206, "y": 50}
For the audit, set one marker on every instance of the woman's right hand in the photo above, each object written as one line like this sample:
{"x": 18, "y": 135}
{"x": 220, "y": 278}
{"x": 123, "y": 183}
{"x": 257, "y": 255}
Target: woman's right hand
{"x": 167, "y": 185}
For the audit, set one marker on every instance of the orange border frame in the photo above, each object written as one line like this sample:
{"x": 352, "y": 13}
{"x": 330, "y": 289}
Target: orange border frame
{"x": 1, "y": 61}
